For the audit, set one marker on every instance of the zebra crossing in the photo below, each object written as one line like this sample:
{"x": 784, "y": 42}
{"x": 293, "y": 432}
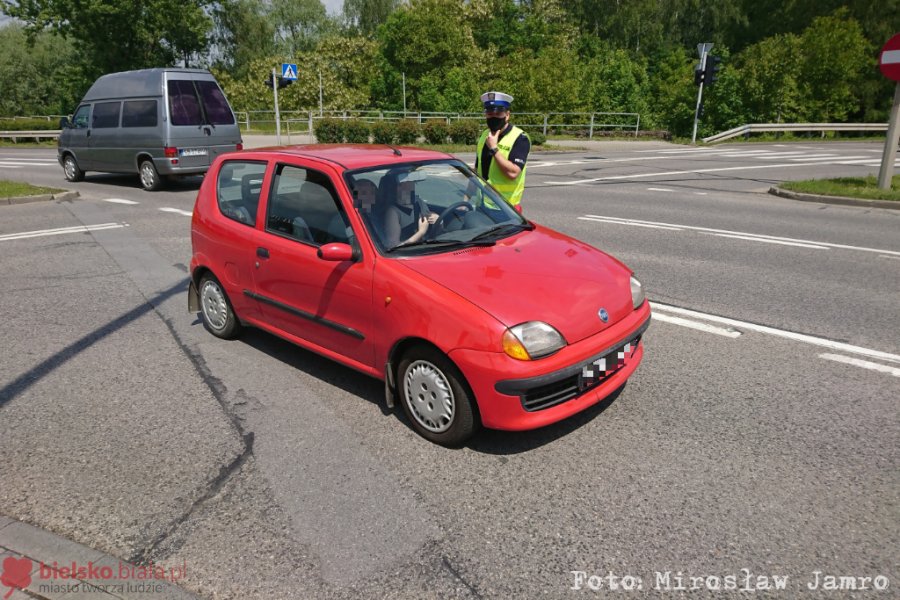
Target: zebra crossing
{"x": 8, "y": 162}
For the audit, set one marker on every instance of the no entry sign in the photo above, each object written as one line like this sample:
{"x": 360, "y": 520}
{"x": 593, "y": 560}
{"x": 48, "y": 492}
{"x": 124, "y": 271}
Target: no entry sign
{"x": 889, "y": 61}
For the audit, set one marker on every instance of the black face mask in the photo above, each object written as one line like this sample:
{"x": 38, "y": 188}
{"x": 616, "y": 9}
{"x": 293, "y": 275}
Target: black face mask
{"x": 496, "y": 123}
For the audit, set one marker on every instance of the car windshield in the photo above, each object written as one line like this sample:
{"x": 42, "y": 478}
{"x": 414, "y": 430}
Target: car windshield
{"x": 461, "y": 208}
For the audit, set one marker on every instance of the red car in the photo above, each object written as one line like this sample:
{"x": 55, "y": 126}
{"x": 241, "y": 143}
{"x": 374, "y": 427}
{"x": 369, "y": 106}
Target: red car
{"x": 402, "y": 264}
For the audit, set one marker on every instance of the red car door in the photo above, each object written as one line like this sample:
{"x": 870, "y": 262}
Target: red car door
{"x": 326, "y": 304}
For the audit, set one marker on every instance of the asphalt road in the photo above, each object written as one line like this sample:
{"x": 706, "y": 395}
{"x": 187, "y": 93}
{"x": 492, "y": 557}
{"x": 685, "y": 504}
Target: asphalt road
{"x": 759, "y": 437}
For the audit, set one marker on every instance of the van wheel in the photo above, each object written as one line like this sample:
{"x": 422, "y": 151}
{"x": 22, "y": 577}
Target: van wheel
{"x": 436, "y": 397}
{"x": 71, "y": 169}
{"x": 150, "y": 179}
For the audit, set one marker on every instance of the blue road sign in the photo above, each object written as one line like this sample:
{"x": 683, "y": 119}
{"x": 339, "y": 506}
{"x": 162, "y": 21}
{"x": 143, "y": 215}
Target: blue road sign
{"x": 289, "y": 71}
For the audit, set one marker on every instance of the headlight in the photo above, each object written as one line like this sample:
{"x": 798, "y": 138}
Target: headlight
{"x": 531, "y": 340}
{"x": 637, "y": 292}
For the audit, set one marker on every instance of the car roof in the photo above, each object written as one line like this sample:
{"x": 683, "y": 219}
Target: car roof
{"x": 356, "y": 156}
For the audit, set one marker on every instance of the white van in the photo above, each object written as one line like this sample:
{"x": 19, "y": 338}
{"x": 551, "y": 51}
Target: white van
{"x": 154, "y": 122}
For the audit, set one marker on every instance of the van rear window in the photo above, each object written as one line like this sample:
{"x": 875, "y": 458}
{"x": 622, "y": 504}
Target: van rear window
{"x": 185, "y": 105}
{"x": 139, "y": 113}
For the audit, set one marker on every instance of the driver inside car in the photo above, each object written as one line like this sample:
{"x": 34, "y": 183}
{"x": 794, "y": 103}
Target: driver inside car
{"x": 407, "y": 217}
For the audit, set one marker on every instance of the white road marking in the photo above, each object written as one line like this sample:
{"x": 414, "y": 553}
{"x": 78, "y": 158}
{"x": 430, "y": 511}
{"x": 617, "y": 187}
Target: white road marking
{"x": 60, "y": 231}
{"x": 178, "y": 211}
{"x": 841, "y": 157}
{"x": 785, "y": 155}
{"x": 633, "y": 224}
{"x": 688, "y": 172}
{"x": 765, "y": 240}
{"x": 797, "y": 337}
{"x": 729, "y": 332}
{"x": 818, "y": 157}
{"x": 120, "y": 201}
{"x": 743, "y": 233}
{"x": 847, "y": 360}
{"x": 700, "y": 193}
{"x": 19, "y": 163}
{"x": 660, "y": 190}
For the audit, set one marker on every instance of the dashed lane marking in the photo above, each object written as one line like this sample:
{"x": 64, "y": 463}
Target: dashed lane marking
{"x": 848, "y": 360}
{"x": 655, "y": 189}
{"x": 120, "y": 201}
{"x": 726, "y": 332}
{"x": 60, "y": 231}
{"x": 796, "y": 337}
{"x": 765, "y": 240}
{"x": 177, "y": 211}
{"x": 631, "y": 224}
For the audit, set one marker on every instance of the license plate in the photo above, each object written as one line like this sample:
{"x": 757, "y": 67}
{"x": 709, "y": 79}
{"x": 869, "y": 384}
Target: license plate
{"x": 595, "y": 372}
{"x": 194, "y": 151}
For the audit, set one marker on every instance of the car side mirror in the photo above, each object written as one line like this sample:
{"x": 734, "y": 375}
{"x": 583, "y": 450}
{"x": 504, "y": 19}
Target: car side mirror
{"x": 336, "y": 252}
{"x": 64, "y": 123}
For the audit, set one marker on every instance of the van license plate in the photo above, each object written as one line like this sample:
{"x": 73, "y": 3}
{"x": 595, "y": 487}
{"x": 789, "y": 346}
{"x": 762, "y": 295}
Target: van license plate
{"x": 194, "y": 151}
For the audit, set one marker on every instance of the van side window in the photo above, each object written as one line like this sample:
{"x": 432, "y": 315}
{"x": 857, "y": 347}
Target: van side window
{"x": 237, "y": 189}
{"x": 217, "y": 110}
{"x": 106, "y": 114}
{"x": 304, "y": 206}
{"x": 82, "y": 117}
{"x": 184, "y": 106}
{"x": 139, "y": 113}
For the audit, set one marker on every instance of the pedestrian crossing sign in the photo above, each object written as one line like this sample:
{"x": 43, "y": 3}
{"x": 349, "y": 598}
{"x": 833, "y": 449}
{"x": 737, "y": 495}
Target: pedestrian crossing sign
{"x": 289, "y": 71}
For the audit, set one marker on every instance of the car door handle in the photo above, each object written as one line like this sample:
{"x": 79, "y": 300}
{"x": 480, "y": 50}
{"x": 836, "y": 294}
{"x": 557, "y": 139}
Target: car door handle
{"x": 262, "y": 252}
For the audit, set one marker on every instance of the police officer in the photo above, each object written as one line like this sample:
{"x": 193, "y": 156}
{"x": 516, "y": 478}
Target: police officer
{"x": 502, "y": 149}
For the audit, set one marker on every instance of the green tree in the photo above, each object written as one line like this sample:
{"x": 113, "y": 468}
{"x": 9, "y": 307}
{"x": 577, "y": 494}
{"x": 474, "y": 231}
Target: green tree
{"x": 243, "y": 32}
{"x": 300, "y": 24}
{"x": 769, "y": 73}
{"x": 364, "y": 16}
{"x": 30, "y": 77}
{"x": 112, "y": 35}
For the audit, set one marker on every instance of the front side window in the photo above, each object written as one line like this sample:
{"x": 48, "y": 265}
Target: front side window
{"x": 460, "y": 207}
{"x": 238, "y": 189}
{"x": 139, "y": 113}
{"x": 184, "y": 106}
{"x": 304, "y": 206}
{"x": 106, "y": 114}
{"x": 82, "y": 117}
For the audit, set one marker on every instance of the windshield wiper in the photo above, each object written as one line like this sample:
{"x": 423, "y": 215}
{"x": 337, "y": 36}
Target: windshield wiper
{"x": 497, "y": 229}
{"x": 434, "y": 242}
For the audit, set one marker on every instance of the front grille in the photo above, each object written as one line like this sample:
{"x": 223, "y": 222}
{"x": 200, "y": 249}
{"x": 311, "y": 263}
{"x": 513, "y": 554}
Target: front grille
{"x": 563, "y": 390}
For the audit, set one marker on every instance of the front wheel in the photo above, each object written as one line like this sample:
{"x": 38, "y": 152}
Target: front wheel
{"x": 435, "y": 397}
{"x": 150, "y": 179}
{"x": 71, "y": 169}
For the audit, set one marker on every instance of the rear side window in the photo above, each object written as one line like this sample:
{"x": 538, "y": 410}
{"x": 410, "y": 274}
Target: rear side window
{"x": 238, "y": 188}
{"x": 184, "y": 106}
{"x": 217, "y": 110}
{"x": 304, "y": 206}
{"x": 106, "y": 114}
{"x": 139, "y": 113}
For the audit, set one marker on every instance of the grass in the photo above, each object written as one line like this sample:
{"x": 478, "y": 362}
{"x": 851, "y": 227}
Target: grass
{"x": 13, "y": 189}
{"x": 851, "y": 187}
{"x": 7, "y": 143}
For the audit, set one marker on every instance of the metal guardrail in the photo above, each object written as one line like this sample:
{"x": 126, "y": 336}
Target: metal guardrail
{"x": 31, "y": 135}
{"x": 785, "y": 127}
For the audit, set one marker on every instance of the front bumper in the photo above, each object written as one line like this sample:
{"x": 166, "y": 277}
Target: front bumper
{"x": 518, "y": 395}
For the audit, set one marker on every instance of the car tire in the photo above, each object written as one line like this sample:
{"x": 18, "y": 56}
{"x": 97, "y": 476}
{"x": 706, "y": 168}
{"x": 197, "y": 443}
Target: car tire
{"x": 435, "y": 397}
{"x": 215, "y": 309}
{"x": 71, "y": 170}
{"x": 150, "y": 179}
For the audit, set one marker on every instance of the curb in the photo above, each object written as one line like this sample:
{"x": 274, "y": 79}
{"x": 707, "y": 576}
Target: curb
{"x": 62, "y": 196}
{"x": 36, "y": 551}
{"x": 839, "y": 200}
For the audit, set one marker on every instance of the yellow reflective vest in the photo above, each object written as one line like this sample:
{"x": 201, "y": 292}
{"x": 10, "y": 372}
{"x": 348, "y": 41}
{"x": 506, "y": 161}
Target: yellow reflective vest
{"x": 511, "y": 189}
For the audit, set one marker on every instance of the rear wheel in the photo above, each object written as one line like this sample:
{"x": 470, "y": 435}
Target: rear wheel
{"x": 71, "y": 169}
{"x": 436, "y": 397}
{"x": 150, "y": 179}
{"x": 218, "y": 316}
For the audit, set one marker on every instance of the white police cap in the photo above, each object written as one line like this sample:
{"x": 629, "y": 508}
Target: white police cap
{"x": 495, "y": 100}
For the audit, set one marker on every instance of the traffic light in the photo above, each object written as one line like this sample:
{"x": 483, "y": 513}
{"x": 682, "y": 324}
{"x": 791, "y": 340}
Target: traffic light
{"x": 698, "y": 75}
{"x": 712, "y": 69}
{"x": 282, "y": 82}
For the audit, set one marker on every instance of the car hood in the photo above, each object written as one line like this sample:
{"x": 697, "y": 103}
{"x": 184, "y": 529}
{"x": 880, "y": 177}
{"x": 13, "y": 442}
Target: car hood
{"x": 538, "y": 275}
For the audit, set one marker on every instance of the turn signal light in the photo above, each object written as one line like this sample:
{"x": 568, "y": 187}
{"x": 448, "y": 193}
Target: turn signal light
{"x": 513, "y": 347}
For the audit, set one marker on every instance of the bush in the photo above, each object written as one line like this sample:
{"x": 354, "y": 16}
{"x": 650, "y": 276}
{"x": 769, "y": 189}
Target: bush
{"x": 407, "y": 131}
{"x": 537, "y": 138}
{"x": 329, "y": 131}
{"x": 29, "y": 124}
{"x": 436, "y": 131}
{"x": 466, "y": 131}
{"x": 383, "y": 132}
{"x": 356, "y": 131}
